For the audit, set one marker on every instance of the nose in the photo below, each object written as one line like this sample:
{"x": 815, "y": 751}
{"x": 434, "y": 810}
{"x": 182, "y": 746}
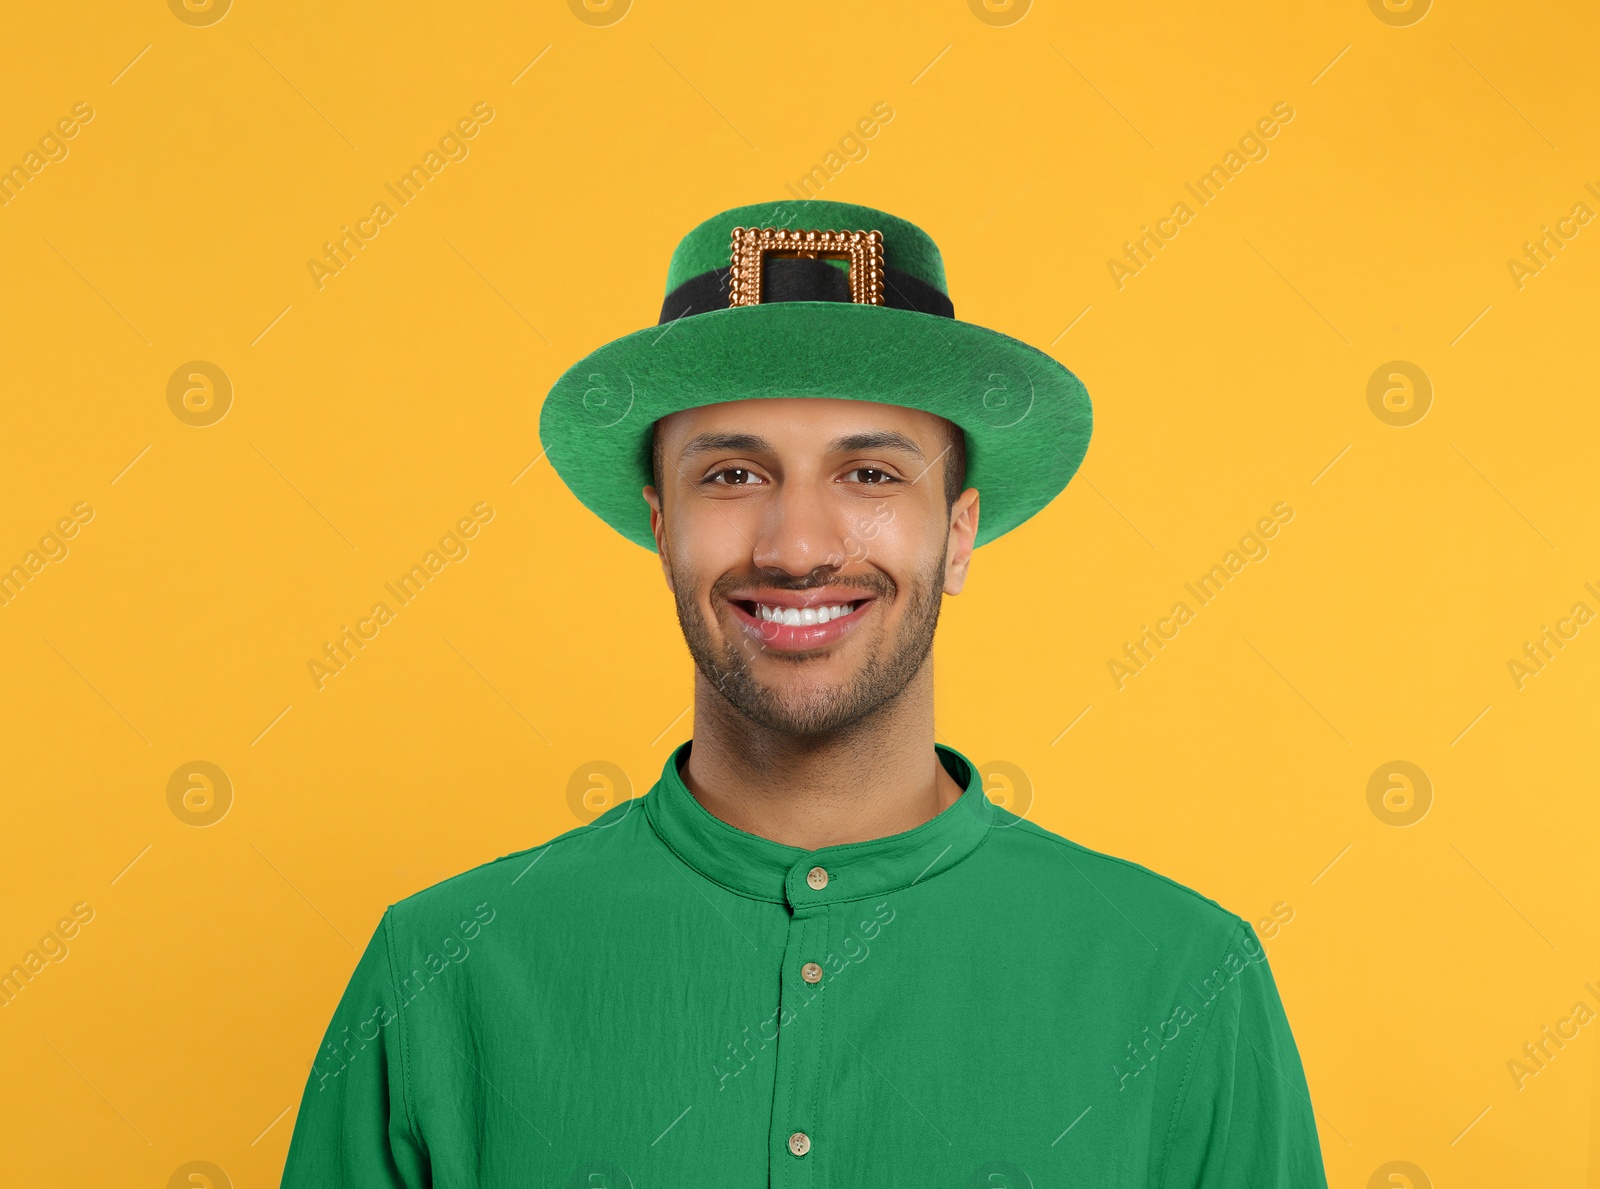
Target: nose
{"x": 800, "y": 531}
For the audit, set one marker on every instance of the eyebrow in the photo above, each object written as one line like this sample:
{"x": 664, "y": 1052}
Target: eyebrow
{"x": 877, "y": 439}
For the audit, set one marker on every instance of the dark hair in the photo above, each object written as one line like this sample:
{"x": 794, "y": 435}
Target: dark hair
{"x": 955, "y": 463}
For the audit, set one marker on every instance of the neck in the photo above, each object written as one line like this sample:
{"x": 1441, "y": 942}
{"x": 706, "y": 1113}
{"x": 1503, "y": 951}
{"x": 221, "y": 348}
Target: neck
{"x": 876, "y": 777}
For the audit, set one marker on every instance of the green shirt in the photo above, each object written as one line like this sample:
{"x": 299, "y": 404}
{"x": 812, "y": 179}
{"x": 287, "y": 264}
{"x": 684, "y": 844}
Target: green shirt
{"x": 658, "y": 999}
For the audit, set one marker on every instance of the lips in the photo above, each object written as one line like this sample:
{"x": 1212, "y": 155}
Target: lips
{"x": 799, "y": 621}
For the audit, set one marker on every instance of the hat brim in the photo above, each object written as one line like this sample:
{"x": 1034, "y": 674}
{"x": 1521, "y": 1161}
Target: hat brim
{"x": 1027, "y": 419}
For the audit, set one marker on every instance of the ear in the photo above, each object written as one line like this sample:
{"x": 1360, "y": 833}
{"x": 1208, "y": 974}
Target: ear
{"x": 963, "y": 532}
{"x": 658, "y": 527}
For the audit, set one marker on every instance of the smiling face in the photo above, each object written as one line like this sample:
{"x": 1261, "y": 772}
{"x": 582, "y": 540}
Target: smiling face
{"x": 807, "y": 543}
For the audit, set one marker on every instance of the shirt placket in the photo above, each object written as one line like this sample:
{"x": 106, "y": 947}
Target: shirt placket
{"x": 797, "y": 1135}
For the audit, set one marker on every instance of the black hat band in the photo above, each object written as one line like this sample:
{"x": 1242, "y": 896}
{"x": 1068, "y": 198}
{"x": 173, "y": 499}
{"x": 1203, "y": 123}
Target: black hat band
{"x": 801, "y": 279}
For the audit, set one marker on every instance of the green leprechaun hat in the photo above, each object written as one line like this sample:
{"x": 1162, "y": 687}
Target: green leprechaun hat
{"x": 815, "y": 299}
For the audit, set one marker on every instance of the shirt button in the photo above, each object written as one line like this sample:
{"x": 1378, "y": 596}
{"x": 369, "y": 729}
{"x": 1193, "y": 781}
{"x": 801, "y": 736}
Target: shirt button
{"x": 817, "y": 878}
{"x": 811, "y": 972}
{"x": 799, "y": 1143}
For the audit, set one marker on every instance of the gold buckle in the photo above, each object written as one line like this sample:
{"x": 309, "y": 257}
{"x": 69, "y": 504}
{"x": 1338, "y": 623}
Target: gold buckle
{"x": 863, "y": 249}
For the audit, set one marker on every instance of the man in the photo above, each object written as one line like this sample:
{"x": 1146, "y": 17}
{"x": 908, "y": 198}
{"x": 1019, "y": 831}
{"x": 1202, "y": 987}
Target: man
{"x": 814, "y": 954}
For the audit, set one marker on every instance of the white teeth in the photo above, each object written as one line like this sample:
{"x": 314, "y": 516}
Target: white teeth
{"x": 795, "y": 616}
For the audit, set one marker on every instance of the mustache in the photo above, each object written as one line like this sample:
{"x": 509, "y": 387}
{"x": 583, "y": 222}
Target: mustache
{"x": 874, "y": 583}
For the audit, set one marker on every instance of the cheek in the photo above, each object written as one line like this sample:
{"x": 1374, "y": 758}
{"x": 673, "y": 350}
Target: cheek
{"x": 699, "y": 539}
{"x": 691, "y": 584}
{"x": 902, "y": 540}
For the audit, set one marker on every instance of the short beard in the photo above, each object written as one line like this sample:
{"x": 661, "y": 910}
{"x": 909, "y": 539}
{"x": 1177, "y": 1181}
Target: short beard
{"x": 880, "y": 681}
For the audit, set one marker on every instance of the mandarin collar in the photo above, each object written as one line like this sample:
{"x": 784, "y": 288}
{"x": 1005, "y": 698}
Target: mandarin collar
{"x": 766, "y": 870}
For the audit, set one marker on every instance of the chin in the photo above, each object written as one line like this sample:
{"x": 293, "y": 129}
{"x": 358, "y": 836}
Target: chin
{"x": 811, "y": 711}
{"x": 806, "y": 727}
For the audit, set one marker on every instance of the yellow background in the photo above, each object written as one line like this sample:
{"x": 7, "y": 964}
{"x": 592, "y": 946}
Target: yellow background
{"x": 369, "y": 415}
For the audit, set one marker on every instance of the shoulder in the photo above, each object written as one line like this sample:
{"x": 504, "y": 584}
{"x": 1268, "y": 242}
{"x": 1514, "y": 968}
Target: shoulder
{"x": 535, "y": 873}
{"x": 1068, "y": 875}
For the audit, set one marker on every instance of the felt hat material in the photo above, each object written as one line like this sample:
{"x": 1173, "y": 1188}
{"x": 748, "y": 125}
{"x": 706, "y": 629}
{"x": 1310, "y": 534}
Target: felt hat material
{"x": 1026, "y": 418}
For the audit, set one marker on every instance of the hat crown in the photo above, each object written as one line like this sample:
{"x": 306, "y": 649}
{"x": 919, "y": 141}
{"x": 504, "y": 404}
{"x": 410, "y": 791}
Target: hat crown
{"x": 906, "y": 246}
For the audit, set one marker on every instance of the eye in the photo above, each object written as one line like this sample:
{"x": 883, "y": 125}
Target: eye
{"x": 872, "y": 476}
{"x": 734, "y": 477}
